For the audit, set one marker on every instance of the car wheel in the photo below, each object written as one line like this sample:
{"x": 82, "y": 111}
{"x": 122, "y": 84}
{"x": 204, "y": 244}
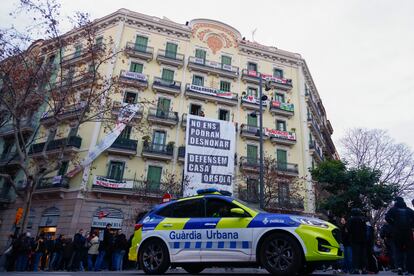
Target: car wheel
{"x": 193, "y": 268}
{"x": 154, "y": 257}
{"x": 280, "y": 254}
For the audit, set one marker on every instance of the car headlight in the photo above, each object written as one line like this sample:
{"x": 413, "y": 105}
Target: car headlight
{"x": 312, "y": 222}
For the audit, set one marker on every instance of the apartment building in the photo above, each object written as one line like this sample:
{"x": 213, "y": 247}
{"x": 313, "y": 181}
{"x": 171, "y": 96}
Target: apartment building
{"x": 205, "y": 68}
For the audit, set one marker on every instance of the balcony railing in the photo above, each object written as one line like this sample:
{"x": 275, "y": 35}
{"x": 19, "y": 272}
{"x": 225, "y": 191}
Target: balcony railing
{"x": 118, "y": 107}
{"x": 163, "y": 117}
{"x": 252, "y": 132}
{"x": 74, "y": 82}
{"x": 134, "y": 79}
{"x": 53, "y": 182}
{"x": 124, "y": 146}
{"x": 316, "y": 150}
{"x": 208, "y": 66}
{"x": 170, "y": 58}
{"x": 170, "y": 87}
{"x": 211, "y": 94}
{"x": 70, "y": 142}
{"x": 139, "y": 51}
{"x": 157, "y": 151}
{"x": 276, "y": 82}
{"x": 81, "y": 56}
{"x": 66, "y": 113}
{"x": 289, "y": 168}
{"x": 284, "y": 109}
{"x": 250, "y": 164}
{"x": 252, "y": 102}
{"x": 27, "y": 126}
{"x": 314, "y": 127}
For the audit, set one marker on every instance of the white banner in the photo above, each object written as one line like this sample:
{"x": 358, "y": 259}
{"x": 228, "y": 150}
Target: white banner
{"x": 126, "y": 113}
{"x": 102, "y": 222}
{"x": 209, "y": 154}
{"x": 111, "y": 183}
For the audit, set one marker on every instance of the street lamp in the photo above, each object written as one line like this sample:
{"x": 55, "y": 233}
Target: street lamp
{"x": 262, "y": 98}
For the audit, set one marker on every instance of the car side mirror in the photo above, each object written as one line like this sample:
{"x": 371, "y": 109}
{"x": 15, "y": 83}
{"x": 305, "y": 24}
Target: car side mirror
{"x": 237, "y": 211}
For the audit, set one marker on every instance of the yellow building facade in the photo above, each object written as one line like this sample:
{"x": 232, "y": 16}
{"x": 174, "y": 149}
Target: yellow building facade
{"x": 205, "y": 68}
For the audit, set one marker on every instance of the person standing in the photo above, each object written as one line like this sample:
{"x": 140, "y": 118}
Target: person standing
{"x": 357, "y": 234}
{"x": 23, "y": 248}
{"x": 93, "y": 250}
{"x": 103, "y": 247}
{"x": 401, "y": 219}
{"x": 39, "y": 251}
{"x": 347, "y": 262}
{"x": 120, "y": 248}
{"x": 78, "y": 246}
{"x": 56, "y": 253}
{"x": 67, "y": 254}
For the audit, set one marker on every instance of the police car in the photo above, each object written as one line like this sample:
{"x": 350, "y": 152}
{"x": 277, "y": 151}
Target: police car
{"x": 213, "y": 229}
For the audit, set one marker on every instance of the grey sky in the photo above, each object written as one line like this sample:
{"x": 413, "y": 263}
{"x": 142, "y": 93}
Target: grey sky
{"x": 360, "y": 53}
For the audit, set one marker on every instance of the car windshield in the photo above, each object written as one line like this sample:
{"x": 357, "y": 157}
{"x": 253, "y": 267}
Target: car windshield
{"x": 251, "y": 206}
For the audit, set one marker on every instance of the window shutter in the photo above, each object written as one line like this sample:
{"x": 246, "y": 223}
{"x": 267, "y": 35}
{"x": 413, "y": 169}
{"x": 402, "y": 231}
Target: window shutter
{"x": 171, "y": 50}
{"x": 141, "y": 43}
{"x": 167, "y": 75}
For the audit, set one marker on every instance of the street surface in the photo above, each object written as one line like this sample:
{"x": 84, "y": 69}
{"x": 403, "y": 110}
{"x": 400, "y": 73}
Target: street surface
{"x": 212, "y": 271}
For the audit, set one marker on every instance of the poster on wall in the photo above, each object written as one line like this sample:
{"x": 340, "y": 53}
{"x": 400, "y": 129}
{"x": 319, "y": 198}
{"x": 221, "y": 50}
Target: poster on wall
{"x": 209, "y": 157}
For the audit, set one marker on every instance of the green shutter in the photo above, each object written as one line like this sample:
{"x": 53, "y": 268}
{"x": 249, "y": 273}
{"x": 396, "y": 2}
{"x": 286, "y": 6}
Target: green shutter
{"x": 154, "y": 177}
{"x": 200, "y": 54}
{"x": 136, "y": 67}
{"x": 198, "y": 80}
{"x": 252, "y": 92}
{"x": 251, "y": 121}
{"x": 63, "y": 168}
{"x": 279, "y": 97}
{"x": 281, "y": 157}
{"x": 163, "y": 107}
{"x": 226, "y": 60}
{"x": 141, "y": 43}
{"x": 252, "y": 154}
{"x": 159, "y": 138}
{"x": 225, "y": 86}
{"x": 167, "y": 75}
{"x": 171, "y": 50}
{"x": 116, "y": 170}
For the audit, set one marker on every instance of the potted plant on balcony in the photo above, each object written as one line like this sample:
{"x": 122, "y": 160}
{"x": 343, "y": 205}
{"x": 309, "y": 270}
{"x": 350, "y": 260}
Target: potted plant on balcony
{"x": 170, "y": 147}
{"x": 147, "y": 140}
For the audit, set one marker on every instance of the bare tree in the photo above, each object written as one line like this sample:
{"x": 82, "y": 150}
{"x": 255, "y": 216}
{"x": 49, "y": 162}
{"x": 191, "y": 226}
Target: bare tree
{"x": 375, "y": 149}
{"x": 41, "y": 86}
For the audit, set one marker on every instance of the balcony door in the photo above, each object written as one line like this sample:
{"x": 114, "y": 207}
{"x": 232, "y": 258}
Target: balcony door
{"x": 281, "y": 157}
{"x": 252, "y": 190}
{"x": 136, "y": 67}
{"x": 126, "y": 133}
{"x": 252, "y": 120}
{"x": 163, "y": 107}
{"x": 171, "y": 50}
{"x": 167, "y": 75}
{"x": 158, "y": 141}
{"x": 252, "y": 154}
{"x": 141, "y": 43}
{"x": 200, "y": 54}
{"x": 251, "y": 66}
{"x": 154, "y": 177}
{"x": 116, "y": 170}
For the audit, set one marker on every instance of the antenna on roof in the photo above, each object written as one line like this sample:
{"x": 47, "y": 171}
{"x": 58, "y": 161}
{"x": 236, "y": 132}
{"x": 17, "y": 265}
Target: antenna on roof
{"x": 253, "y": 32}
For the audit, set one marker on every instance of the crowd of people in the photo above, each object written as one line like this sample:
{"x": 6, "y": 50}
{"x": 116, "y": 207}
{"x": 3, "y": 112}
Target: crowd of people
{"x": 367, "y": 250}
{"x": 85, "y": 252}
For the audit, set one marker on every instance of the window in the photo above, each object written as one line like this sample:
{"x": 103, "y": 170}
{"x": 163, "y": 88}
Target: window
{"x": 225, "y": 60}
{"x": 198, "y": 80}
{"x": 136, "y": 67}
{"x": 130, "y": 97}
{"x": 191, "y": 208}
{"x": 78, "y": 50}
{"x": 167, "y": 75}
{"x": 154, "y": 177}
{"x": 219, "y": 208}
{"x": 163, "y": 107}
{"x": 225, "y": 86}
{"x": 251, "y": 120}
{"x": 201, "y": 54}
{"x": 158, "y": 140}
{"x": 279, "y": 97}
{"x": 281, "y": 157}
{"x": 51, "y": 136}
{"x": 251, "y": 91}
{"x": 251, "y": 66}
{"x": 252, "y": 154}
{"x": 252, "y": 190}
{"x": 195, "y": 109}
{"x": 141, "y": 43}
{"x": 171, "y": 50}
{"x": 283, "y": 193}
{"x": 99, "y": 41}
{"x": 63, "y": 168}
{"x": 116, "y": 170}
{"x": 224, "y": 115}
{"x": 278, "y": 73}
{"x": 126, "y": 133}
{"x": 281, "y": 125}
{"x": 73, "y": 131}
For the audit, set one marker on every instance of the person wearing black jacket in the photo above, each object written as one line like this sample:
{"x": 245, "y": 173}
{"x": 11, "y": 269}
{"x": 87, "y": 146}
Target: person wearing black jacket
{"x": 357, "y": 235}
{"x": 401, "y": 219}
{"x": 104, "y": 247}
{"x": 120, "y": 249}
{"x": 56, "y": 253}
{"x": 79, "y": 242}
{"x": 345, "y": 237}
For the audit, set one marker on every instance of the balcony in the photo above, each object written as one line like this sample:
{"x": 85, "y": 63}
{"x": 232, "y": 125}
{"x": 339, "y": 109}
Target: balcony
{"x": 55, "y": 182}
{"x": 170, "y": 58}
{"x": 251, "y": 132}
{"x": 212, "y": 67}
{"x": 123, "y": 146}
{"x": 134, "y": 188}
{"x": 71, "y": 145}
{"x": 78, "y": 82}
{"x": 9, "y": 159}
{"x": 81, "y": 57}
{"x": 287, "y": 138}
{"x": 254, "y": 77}
{"x": 164, "y": 86}
{"x": 181, "y": 154}
{"x": 118, "y": 107}
{"x": 316, "y": 151}
{"x": 249, "y": 165}
{"x": 66, "y": 113}
{"x": 251, "y": 102}
{"x": 211, "y": 94}
{"x": 315, "y": 129}
{"x": 133, "y": 79}
{"x": 157, "y": 151}
{"x": 282, "y": 109}
{"x": 27, "y": 127}
{"x": 161, "y": 117}
{"x": 287, "y": 168}
{"x": 139, "y": 51}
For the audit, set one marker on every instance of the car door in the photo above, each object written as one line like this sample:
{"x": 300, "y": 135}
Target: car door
{"x": 175, "y": 229}
{"x": 227, "y": 237}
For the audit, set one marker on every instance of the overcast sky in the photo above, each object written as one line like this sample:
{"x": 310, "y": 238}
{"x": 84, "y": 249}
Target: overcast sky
{"x": 360, "y": 53}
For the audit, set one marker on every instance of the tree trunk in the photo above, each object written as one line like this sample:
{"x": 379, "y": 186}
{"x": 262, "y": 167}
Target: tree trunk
{"x": 28, "y": 204}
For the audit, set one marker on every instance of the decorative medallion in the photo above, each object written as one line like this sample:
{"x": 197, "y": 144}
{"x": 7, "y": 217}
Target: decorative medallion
{"x": 215, "y": 36}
